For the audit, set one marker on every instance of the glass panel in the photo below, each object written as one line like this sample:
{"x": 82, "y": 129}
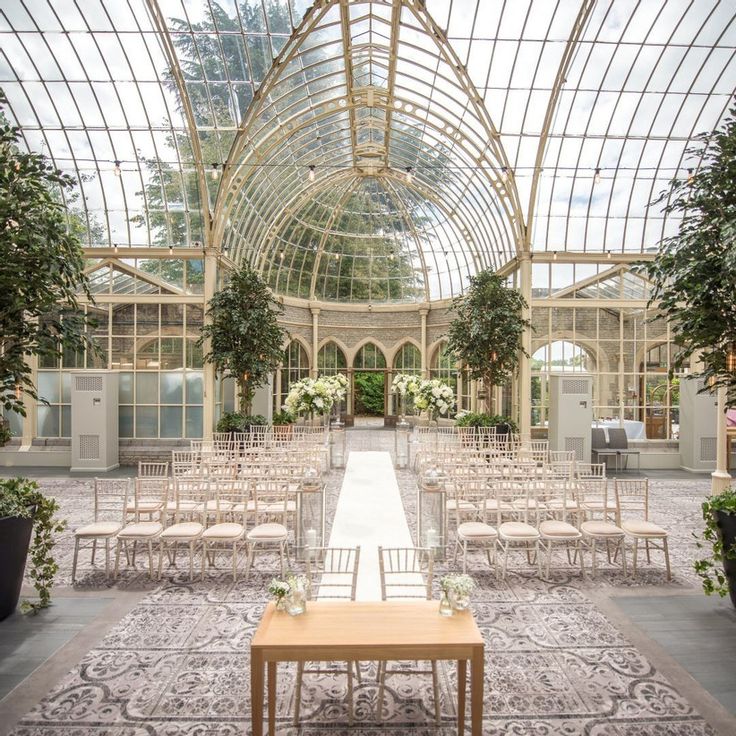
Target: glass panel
{"x": 66, "y": 421}
{"x": 194, "y": 422}
{"x": 172, "y": 353}
{"x": 48, "y": 421}
{"x": 195, "y": 383}
{"x": 171, "y": 417}
{"x": 125, "y": 388}
{"x": 48, "y": 387}
{"x": 146, "y": 421}
{"x": 172, "y": 388}
{"x": 125, "y": 421}
{"x": 66, "y": 388}
{"x": 146, "y": 389}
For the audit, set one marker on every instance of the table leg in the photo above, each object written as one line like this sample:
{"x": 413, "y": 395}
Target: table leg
{"x": 476, "y": 692}
{"x": 256, "y": 692}
{"x": 272, "y": 699}
{"x": 462, "y": 670}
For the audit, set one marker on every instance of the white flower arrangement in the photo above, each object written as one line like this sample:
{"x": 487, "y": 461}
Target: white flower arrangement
{"x": 310, "y": 396}
{"x": 458, "y": 584}
{"x": 435, "y": 397}
{"x": 405, "y": 384}
{"x": 338, "y": 384}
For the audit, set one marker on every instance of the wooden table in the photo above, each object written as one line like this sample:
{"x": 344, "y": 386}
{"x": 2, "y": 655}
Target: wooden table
{"x": 364, "y": 631}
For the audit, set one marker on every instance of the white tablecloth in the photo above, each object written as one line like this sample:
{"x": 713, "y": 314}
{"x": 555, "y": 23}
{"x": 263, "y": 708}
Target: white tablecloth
{"x": 634, "y": 430}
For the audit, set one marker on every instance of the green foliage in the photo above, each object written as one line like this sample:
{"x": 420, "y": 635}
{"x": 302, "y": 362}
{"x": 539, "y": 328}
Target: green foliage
{"x": 694, "y": 274}
{"x": 246, "y": 340}
{"x": 485, "y": 333}
{"x": 480, "y": 419}
{"x": 281, "y": 418}
{"x": 41, "y": 268}
{"x": 5, "y": 434}
{"x": 233, "y": 421}
{"x": 710, "y": 568}
{"x": 20, "y": 497}
{"x": 369, "y": 393}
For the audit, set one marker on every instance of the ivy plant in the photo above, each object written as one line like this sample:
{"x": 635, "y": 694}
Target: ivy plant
{"x": 242, "y": 334}
{"x": 694, "y": 273}
{"x": 487, "y": 327}
{"x": 710, "y": 568}
{"x": 21, "y": 498}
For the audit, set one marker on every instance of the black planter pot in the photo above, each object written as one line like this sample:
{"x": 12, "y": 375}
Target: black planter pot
{"x": 503, "y": 428}
{"x": 726, "y": 524}
{"x": 15, "y": 536}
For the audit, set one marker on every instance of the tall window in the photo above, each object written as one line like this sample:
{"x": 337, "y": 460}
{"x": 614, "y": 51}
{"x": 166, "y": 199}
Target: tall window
{"x": 370, "y": 358}
{"x": 443, "y": 365}
{"x": 331, "y": 360}
{"x": 295, "y": 366}
{"x": 408, "y": 359}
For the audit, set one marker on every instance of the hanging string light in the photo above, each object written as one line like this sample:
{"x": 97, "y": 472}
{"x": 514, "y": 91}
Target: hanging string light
{"x": 505, "y": 174}
{"x": 597, "y": 176}
{"x": 731, "y": 358}
{"x": 312, "y": 172}
{"x": 117, "y": 171}
{"x": 409, "y": 175}
{"x": 215, "y": 169}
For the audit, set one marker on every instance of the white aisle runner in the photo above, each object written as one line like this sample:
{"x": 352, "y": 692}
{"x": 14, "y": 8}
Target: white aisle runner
{"x": 370, "y": 513}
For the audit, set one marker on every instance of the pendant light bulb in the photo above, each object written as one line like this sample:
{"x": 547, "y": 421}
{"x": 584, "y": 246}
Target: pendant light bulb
{"x": 597, "y": 176}
{"x": 312, "y": 173}
{"x": 409, "y": 175}
{"x": 504, "y": 174}
{"x": 690, "y": 176}
{"x": 213, "y": 173}
{"x": 117, "y": 171}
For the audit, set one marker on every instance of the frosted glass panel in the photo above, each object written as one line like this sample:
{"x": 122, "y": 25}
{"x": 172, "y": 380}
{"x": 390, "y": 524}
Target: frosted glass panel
{"x": 172, "y": 388}
{"x": 48, "y": 421}
{"x": 48, "y": 388}
{"x": 125, "y": 388}
{"x": 194, "y": 421}
{"x": 146, "y": 388}
{"x": 171, "y": 417}
{"x": 194, "y": 388}
{"x": 146, "y": 421}
{"x": 125, "y": 421}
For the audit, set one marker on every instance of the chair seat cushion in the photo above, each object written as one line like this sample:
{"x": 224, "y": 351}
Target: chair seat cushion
{"x": 227, "y": 530}
{"x": 185, "y": 529}
{"x": 601, "y": 529}
{"x": 476, "y": 530}
{"x": 273, "y": 531}
{"x": 141, "y": 529}
{"x": 554, "y": 528}
{"x": 641, "y": 528}
{"x": 99, "y": 529}
{"x": 518, "y": 530}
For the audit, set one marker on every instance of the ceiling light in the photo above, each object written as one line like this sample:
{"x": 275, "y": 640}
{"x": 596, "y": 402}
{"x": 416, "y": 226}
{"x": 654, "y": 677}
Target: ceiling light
{"x": 117, "y": 170}
{"x": 312, "y": 173}
{"x": 597, "y": 176}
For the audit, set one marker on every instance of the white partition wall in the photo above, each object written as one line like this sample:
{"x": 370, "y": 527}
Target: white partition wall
{"x": 263, "y": 400}
{"x": 698, "y": 425}
{"x": 571, "y": 413}
{"x": 94, "y": 409}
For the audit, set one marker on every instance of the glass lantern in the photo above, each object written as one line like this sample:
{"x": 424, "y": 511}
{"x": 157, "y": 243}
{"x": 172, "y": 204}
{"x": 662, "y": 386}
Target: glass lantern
{"x": 432, "y": 512}
{"x": 338, "y": 438}
{"x": 401, "y": 444}
{"x": 310, "y": 512}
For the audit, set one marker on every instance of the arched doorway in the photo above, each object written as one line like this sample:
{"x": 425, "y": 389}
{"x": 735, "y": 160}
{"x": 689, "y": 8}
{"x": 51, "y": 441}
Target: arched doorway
{"x": 330, "y": 361}
{"x": 369, "y": 382}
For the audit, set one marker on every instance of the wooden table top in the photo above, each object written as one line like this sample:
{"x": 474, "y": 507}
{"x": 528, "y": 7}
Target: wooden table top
{"x": 366, "y": 623}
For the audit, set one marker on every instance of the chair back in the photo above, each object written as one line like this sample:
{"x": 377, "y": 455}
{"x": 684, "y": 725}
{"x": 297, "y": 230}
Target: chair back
{"x": 153, "y": 470}
{"x": 111, "y": 498}
{"x": 151, "y": 492}
{"x": 333, "y": 571}
{"x": 406, "y": 572}
{"x": 230, "y": 497}
{"x": 270, "y": 497}
{"x": 590, "y": 470}
{"x": 185, "y": 463}
{"x": 617, "y": 439}
{"x": 598, "y": 439}
{"x": 632, "y": 496}
{"x": 189, "y": 495}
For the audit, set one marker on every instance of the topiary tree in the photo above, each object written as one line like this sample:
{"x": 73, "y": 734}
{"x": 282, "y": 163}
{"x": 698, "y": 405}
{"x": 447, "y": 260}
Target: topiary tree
{"x": 247, "y": 342}
{"x": 694, "y": 274}
{"x": 485, "y": 333}
{"x": 41, "y": 268}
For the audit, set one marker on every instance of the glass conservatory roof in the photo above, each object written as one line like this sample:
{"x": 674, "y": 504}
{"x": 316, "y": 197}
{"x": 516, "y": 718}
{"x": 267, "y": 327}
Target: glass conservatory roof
{"x": 359, "y": 150}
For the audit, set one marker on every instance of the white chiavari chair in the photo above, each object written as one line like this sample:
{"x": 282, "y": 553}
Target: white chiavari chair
{"x": 270, "y": 510}
{"x": 230, "y": 497}
{"x": 518, "y": 533}
{"x": 153, "y": 469}
{"x": 595, "y": 500}
{"x": 472, "y": 527}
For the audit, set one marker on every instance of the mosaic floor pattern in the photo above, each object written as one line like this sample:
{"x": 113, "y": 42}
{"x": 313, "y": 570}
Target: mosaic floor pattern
{"x": 178, "y": 664}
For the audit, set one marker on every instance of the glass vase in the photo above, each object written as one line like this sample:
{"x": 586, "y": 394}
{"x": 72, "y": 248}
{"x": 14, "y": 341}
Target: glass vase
{"x": 459, "y": 601}
{"x": 446, "y": 608}
{"x": 296, "y": 601}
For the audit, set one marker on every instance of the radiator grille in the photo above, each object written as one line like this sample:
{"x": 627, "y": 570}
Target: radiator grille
{"x": 574, "y": 386}
{"x": 89, "y": 447}
{"x": 88, "y": 383}
{"x": 577, "y": 444}
{"x": 708, "y": 449}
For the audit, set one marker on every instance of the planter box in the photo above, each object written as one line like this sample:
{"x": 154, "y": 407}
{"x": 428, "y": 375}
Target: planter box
{"x": 15, "y": 536}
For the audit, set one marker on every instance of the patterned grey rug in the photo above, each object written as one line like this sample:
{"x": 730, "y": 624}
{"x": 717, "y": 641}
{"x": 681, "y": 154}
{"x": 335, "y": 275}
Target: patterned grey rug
{"x": 178, "y": 664}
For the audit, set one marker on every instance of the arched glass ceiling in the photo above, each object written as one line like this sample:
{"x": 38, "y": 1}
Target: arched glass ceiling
{"x": 180, "y": 90}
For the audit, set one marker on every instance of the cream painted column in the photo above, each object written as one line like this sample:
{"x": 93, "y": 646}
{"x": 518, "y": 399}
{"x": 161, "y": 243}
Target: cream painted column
{"x": 720, "y": 478}
{"x": 425, "y": 362}
{"x": 525, "y": 366}
{"x": 30, "y": 419}
{"x": 210, "y": 287}
{"x": 315, "y": 340}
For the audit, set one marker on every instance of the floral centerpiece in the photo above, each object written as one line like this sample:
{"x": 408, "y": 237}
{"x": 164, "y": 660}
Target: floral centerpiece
{"x": 310, "y": 396}
{"x": 405, "y": 385}
{"x": 435, "y": 397}
{"x": 290, "y": 594}
{"x": 456, "y": 590}
{"x": 338, "y": 384}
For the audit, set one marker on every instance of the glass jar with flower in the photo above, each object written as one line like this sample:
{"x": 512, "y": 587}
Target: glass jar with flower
{"x": 457, "y": 588}
{"x": 279, "y": 590}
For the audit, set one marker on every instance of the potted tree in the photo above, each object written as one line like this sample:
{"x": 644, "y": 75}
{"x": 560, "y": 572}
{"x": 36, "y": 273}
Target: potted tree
{"x": 485, "y": 333}
{"x": 242, "y": 336}
{"x": 719, "y": 514}
{"x": 24, "y": 510}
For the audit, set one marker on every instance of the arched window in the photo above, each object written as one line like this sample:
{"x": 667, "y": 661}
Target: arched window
{"x": 370, "y": 358}
{"x": 331, "y": 360}
{"x": 295, "y": 365}
{"x": 408, "y": 359}
{"x": 443, "y": 363}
